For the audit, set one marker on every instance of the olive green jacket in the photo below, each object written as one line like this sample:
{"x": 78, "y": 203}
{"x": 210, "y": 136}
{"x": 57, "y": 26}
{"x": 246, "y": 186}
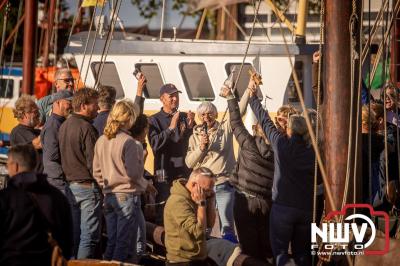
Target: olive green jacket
{"x": 185, "y": 238}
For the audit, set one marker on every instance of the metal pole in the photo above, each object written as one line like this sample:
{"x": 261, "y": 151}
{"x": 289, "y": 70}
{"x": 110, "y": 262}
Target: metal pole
{"x": 49, "y": 32}
{"x": 395, "y": 55}
{"x": 336, "y": 101}
{"x": 30, "y": 26}
{"x": 301, "y": 21}
{"x": 162, "y": 20}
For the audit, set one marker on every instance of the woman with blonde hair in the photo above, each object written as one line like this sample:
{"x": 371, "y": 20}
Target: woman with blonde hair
{"x": 118, "y": 168}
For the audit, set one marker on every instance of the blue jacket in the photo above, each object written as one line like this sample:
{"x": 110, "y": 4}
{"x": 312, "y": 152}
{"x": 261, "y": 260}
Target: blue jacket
{"x": 294, "y": 163}
{"x": 51, "y": 151}
{"x": 169, "y": 147}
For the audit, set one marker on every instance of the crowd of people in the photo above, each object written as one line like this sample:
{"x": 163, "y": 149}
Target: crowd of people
{"x": 76, "y": 167}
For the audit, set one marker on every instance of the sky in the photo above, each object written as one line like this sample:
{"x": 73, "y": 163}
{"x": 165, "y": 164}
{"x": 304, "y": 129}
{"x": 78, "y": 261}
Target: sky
{"x": 129, "y": 14}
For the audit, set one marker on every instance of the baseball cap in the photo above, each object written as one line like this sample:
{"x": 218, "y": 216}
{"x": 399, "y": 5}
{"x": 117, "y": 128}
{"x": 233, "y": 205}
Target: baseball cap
{"x": 62, "y": 95}
{"x": 169, "y": 89}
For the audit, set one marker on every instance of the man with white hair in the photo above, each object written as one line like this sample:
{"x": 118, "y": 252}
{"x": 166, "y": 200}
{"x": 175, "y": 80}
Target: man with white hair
{"x": 63, "y": 80}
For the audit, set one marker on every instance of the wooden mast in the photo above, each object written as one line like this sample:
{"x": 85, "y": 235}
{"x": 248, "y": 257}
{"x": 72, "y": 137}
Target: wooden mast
{"x": 29, "y": 49}
{"x": 49, "y": 32}
{"x": 337, "y": 96}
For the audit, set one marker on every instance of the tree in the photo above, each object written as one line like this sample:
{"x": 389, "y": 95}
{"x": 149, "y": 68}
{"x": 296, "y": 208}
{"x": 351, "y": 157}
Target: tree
{"x": 149, "y": 8}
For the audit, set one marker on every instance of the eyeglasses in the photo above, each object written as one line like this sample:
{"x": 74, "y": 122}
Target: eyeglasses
{"x": 207, "y": 114}
{"x": 68, "y": 80}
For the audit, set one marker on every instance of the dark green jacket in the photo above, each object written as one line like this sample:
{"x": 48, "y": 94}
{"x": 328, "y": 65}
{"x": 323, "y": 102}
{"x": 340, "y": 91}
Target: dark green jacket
{"x": 184, "y": 237}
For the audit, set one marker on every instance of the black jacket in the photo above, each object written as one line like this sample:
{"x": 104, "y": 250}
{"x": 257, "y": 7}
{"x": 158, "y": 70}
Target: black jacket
{"x": 254, "y": 171}
{"x": 77, "y": 139}
{"x": 23, "y": 226}
{"x": 23, "y": 135}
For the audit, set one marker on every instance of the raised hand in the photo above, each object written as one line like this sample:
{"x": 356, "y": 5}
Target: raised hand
{"x": 315, "y": 57}
{"x": 252, "y": 87}
{"x": 174, "y": 120}
{"x": 141, "y": 84}
{"x": 190, "y": 119}
{"x": 225, "y": 91}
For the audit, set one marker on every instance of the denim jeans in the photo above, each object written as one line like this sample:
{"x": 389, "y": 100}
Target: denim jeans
{"x": 288, "y": 224}
{"x": 225, "y": 195}
{"x": 86, "y": 205}
{"x": 121, "y": 211}
{"x": 141, "y": 235}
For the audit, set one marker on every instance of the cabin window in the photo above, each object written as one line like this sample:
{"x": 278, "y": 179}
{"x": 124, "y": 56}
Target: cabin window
{"x": 291, "y": 90}
{"x": 244, "y": 77}
{"x": 6, "y": 88}
{"x": 154, "y": 80}
{"x": 197, "y": 82}
{"x": 109, "y": 77}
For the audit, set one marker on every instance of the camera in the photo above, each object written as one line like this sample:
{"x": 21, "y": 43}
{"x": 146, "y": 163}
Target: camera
{"x": 137, "y": 73}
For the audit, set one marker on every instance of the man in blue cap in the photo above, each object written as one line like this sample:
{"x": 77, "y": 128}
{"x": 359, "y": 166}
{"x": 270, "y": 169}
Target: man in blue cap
{"x": 61, "y": 108}
{"x": 169, "y": 133}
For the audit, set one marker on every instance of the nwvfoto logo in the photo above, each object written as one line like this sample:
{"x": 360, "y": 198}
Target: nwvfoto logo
{"x": 338, "y": 234}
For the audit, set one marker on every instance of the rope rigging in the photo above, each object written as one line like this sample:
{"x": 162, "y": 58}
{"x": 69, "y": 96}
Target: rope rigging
{"x": 87, "y": 40}
{"x": 223, "y": 120}
{"x": 92, "y": 48}
{"x": 107, "y": 44}
{"x": 308, "y": 122}
{"x": 317, "y": 100}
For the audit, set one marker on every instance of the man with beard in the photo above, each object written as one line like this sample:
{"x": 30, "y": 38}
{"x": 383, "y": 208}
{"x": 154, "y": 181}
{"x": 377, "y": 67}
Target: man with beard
{"x": 61, "y": 102}
{"x": 27, "y": 114}
{"x": 77, "y": 140}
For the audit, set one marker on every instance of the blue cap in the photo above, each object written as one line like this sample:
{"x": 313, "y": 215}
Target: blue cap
{"x": 62, "y": 95}
{"x": 169, "y": 89}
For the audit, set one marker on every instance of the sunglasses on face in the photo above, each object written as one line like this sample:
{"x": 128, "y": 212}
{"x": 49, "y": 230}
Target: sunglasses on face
{"x": 67, "y": 80}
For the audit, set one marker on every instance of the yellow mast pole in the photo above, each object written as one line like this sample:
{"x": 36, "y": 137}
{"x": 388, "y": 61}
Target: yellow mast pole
{"x": 301, "y": 21}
